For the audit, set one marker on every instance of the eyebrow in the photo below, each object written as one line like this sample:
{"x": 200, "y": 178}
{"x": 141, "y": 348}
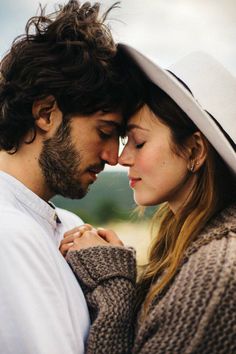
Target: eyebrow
{"x": 135, "y": 126}
{"x": 113, "y": 124}
{"x": 110, "y": 122}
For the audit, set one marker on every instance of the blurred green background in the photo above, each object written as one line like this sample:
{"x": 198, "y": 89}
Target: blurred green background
{"x": 109, "y": 203}
{"x": 109, "y": 199}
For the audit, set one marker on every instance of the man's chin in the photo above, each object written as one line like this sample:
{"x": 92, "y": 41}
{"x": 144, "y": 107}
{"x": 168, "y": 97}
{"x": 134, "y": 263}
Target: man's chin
{"x": 72, "y": 193}
{"x": 76, "y": 194}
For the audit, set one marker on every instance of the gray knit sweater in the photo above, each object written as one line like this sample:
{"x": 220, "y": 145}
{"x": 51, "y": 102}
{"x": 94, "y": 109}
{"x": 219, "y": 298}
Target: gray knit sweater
{"x": 196, "y": 315}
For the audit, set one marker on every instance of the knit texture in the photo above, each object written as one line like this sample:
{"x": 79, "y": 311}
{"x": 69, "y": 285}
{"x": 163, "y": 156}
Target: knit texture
{"x": 104, "y": 273}
{"x": 197, "y": 314}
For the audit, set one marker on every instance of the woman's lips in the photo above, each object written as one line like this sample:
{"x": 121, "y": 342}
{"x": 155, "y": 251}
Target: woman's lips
{"x": 133, "y": 181}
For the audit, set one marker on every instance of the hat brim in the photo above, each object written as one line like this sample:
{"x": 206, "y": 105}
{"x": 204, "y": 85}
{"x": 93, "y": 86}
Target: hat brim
{"x": 169, "y": 84}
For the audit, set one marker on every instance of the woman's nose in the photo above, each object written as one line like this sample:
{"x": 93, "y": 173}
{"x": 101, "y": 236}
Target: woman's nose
{"x": 125, "y": 159}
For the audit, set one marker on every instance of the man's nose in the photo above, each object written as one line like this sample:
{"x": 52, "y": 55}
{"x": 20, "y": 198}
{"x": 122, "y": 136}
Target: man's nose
{"x": 110, "y": 153}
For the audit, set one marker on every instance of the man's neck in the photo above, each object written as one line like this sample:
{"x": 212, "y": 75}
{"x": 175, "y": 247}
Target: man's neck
{"x": 24, "y": 166}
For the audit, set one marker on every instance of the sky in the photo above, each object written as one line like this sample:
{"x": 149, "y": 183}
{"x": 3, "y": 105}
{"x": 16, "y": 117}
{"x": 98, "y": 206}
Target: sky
{"x": 164, "y": 30}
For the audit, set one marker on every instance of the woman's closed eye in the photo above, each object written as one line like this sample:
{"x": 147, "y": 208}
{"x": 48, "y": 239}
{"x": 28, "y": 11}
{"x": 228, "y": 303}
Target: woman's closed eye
{"x": 139, "y": 146}
{"x": 130, "y": 140}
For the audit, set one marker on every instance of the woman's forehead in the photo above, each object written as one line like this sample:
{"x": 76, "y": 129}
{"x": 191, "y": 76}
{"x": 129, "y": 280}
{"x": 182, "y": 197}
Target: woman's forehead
{"x": 144, "y": 119}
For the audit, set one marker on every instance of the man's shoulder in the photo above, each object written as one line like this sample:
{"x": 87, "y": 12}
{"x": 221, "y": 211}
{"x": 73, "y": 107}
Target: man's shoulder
{"x": 9, "y": 211}
{"x": 13, "y": 220}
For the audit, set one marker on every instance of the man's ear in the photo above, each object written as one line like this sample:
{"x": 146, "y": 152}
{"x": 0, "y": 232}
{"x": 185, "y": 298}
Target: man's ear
{"x": 197, "y": 151}
{"x": 42, "y": 111}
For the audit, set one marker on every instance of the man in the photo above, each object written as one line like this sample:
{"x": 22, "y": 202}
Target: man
{"x": 61, "y": 109}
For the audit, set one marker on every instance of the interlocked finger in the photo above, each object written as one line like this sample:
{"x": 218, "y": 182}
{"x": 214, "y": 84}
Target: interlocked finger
{"x": 81, "y": 229}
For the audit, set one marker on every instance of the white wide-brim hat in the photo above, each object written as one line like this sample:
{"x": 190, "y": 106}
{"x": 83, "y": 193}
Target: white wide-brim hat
{"x": 213, "y": 90}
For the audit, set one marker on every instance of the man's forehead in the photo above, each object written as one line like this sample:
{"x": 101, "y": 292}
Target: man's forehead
{"x": 111, "y": 119}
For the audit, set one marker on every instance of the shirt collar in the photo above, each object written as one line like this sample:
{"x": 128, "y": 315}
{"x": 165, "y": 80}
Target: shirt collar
{"x": 30, "y": 199}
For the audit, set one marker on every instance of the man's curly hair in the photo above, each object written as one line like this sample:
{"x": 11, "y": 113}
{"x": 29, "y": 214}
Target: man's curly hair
{"x": 69, "y": 54}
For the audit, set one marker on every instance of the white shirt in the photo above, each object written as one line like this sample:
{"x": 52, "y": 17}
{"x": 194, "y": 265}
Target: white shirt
{"x": 42, "y": 307}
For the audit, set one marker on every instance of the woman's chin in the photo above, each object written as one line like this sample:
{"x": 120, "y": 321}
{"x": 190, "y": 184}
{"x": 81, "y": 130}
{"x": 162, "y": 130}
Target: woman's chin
{"x": 144, "y": 202}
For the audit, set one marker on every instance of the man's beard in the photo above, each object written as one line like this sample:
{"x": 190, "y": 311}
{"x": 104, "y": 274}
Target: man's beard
{"x": 60, "y": 164}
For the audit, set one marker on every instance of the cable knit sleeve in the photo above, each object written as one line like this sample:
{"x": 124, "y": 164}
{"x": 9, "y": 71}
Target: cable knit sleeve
{"x": 107, "y": 276}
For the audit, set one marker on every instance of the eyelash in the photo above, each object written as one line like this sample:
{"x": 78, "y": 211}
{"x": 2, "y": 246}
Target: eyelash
{"x": 139, "y": 146}
{"x": 125, "y": 140}
{"x": 104, "y": 136}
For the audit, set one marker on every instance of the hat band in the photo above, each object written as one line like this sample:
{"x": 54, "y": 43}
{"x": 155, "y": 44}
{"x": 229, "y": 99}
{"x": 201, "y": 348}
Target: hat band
{"x": 230, "y": 140}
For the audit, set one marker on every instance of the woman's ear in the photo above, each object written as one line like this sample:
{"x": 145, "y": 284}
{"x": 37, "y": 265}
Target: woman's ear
{"x": 42, "y": 111}
{"x": 197, "y": 149}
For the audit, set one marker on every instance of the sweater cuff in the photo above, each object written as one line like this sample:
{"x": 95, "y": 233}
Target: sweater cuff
{"x": 95, "y": 264}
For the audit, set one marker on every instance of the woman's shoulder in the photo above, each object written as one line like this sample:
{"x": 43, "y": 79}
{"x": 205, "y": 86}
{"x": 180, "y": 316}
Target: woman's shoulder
{"x": 209, "y": 263}
{"x": 218, "y": 235}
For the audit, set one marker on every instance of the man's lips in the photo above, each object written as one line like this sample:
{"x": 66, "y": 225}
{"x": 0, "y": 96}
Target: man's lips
{"x": 133, "y": 181}
{"x": 94, "y": 172}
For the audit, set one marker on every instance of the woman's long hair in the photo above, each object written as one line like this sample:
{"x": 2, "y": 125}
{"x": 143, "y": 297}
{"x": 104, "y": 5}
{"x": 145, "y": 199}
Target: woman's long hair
{"x": 214, "y": 189}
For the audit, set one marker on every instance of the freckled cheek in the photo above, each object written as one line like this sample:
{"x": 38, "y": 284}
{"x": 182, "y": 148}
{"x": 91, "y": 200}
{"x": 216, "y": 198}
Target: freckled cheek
{"x": 155, "y": 167}
{"x": 158, "y": 174}
{"x": 143, "y": 166}
{"x": 163, "y": 164}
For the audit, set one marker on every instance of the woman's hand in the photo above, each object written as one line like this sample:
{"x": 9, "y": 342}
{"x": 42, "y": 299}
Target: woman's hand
{"x": 71, "y": 235}
{"x": 86, "y": 236}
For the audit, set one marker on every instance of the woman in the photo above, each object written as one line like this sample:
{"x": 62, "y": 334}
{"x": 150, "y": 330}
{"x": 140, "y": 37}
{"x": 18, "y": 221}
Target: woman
{"x": 181, "y": 154}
